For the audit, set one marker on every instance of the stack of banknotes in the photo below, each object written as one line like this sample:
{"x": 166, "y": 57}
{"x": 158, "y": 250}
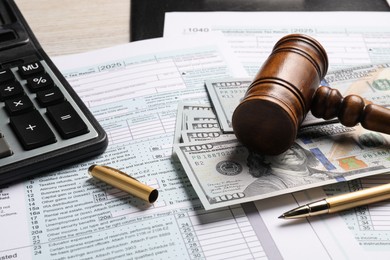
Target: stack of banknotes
{"x": 223, "y": 172}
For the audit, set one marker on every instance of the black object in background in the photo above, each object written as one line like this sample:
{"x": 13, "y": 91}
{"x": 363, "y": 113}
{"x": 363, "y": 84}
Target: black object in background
{"x": 147, "y": 16}
{"x": 44, "y": 124}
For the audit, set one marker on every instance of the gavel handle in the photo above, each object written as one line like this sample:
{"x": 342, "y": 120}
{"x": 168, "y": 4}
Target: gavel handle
{"x": 328, "y": 103}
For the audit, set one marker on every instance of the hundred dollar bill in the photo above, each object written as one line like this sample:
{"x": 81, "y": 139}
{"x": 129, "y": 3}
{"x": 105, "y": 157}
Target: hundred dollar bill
{"x": 203, "y": 125}
{"x": 199, "y": 116}
{"x": 225, "y": 173}
{"x": 361, "y": 80}
{"x": 199, "y": 121}
{"x": 367, "y": 81}
{"x": 225, "y": 96}
{"x": 183, "y": 112}
{"x": 372, "y": 82}
{"x": 353, "y": 151}
{"x": 204, "y": 135}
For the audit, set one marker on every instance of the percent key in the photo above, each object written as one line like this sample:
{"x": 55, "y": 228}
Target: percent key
{"x": 40, "y": 82}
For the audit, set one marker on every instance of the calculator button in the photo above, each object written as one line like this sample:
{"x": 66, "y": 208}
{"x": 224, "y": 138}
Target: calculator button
{"x": 66, "y": 120}
{"x": 50, "y": 97}
{"x": 29, "y": 69}
{"x": 40, "y": 82}
{"x": 5, "y": 150}
{"x": 32, "y": 130}
{"x": 10, "y": 90}
{"x": 18, "y": 105}
{"x": 6, "y": 75}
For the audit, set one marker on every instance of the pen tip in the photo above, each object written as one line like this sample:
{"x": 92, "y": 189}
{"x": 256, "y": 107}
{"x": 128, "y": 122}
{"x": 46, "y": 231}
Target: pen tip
{"x": 282, "y": 216}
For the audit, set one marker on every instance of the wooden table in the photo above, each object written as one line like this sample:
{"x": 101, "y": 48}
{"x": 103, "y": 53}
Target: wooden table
{"x": 74, "y": 26}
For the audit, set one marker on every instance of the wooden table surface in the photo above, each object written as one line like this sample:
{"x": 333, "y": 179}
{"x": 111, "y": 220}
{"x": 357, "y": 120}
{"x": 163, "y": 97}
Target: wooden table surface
{"x": 74, "y": 26}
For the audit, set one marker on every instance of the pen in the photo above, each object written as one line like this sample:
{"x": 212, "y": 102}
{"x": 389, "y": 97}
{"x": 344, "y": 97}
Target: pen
{"x": 340, "y": 202}
{"x": 123, "y": 182}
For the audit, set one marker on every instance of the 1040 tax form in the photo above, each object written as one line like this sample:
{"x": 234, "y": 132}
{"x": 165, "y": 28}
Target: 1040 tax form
{"x": 350, "y": 39}
{"x": 134, "y": 90}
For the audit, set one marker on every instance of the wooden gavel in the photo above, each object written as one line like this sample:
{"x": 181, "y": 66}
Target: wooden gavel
{"x": 286, "y": 88}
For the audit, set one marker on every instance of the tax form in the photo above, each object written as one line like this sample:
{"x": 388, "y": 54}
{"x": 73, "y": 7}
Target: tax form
{"x": 350, "y": 39}
{"x": 133, "y": 90}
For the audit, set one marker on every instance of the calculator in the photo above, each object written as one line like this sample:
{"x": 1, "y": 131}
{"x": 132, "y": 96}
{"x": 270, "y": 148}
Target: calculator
{"x": 43, "y": 123}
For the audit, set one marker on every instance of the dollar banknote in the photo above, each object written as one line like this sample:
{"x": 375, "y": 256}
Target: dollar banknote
{"x": 184, "y": 110}
{"x": 370, "y": 82}
{"x": 225, "y": 96}
{"x": 190, "y": 136}
{"x": 203, "y": 124}
{"x": 363, "y": 80}
{"x": 223, "y": 172}
{"x": 352, "y": 152}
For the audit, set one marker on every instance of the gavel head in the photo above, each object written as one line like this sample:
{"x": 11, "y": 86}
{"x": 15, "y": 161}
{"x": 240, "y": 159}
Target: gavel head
{"x": 268, "y": 117}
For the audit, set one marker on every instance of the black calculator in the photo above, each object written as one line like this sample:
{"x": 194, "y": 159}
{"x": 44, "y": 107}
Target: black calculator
{"x": 43, "y": 123}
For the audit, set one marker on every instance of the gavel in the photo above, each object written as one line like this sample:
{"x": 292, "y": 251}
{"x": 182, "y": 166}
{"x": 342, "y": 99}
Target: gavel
{"x": 286, "y": 87}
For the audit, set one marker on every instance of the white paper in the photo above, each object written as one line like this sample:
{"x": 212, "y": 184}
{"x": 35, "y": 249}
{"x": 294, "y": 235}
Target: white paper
{"x": 351, "y": 39}
{"x": 67, "y": 215}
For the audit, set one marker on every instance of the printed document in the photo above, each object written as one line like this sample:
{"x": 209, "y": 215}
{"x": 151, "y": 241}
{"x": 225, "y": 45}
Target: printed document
{"x": 134, "y": 91}
{"x": 350, "y": 39}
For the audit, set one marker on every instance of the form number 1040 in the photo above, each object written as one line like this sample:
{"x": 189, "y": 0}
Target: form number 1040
{"x": 198, "y": 30}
